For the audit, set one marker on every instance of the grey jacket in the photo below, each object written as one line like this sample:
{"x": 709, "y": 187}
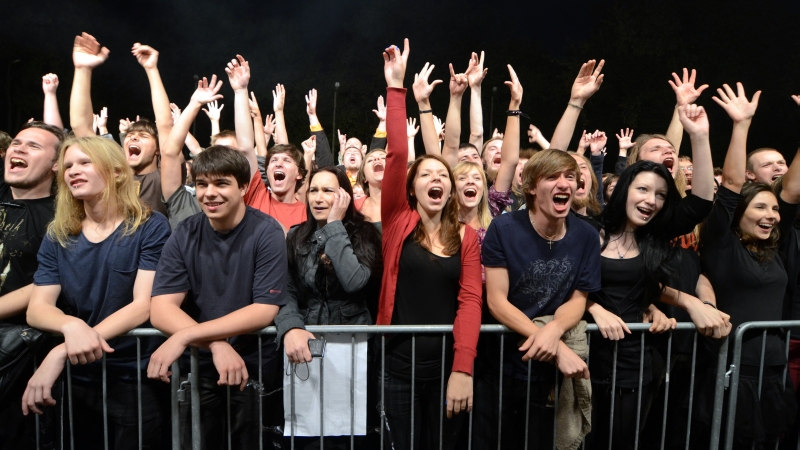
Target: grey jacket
{"x": 318, "y": 295}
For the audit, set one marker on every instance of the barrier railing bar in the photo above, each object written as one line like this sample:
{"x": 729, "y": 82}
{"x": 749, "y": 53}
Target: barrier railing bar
{"x": 71, "y": 418}
{"x": 716, "y": 418}
{"x": 175, "y": 382}
{"x": 555, "y": 408}
{"x": 36, "y": 416}
{"x": 761, "y": 364}
{"x": 613, "y": 397}
{"x": 527, "y": 404}
{"x": 105, "y": 404}
{"x": 666, "y": 390}
{"x": 321, "y": 402}
{"x": 500, "y": 397}
{"x": 139, "y": 388}
{"x": 260, "y": 398}
{"x": 691, "y": 392}
{"x": 441, "y": 393}
{"x": 292, "y": 402}
{"x": 639, "y": 395}
{"x": 228, "y": 413}
{"x": 194, "y": 384}
{"x": 383, "y": 374}
{"x": 413, "y": 377}
{"x": 352, "y": 391}
{"x": 589, "y": 344}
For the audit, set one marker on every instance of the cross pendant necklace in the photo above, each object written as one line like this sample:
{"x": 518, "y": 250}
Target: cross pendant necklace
{"x": 548, "y": 238}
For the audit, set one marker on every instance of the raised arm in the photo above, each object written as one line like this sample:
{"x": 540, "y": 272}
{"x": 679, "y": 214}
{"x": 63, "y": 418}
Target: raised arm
{"x": 393, "y": 198}
{"x": 51, "y": 116}
{"x": 625, "y": 142}
{"x": 379, "y": 138}
{"x": 214, "y": 112}
{"x": 322, "y": 153}
{"x": 791, "y": 180}
{"x": 685, "y": 94}
{"x": 171, "y": 150}
{"x": 102, "y": 122}
{"x": 422, "y": 94}
{"x": 509, "y": 152}
{"x": 148, "y": 59}
{"x": 411, "y": 131}
{"x": 741, "y": 111}
{"x": 238, "y": 71}
{"x": 87, "y": 54}
{"x": 278, "y": 100}
{"x": 534, "y": 135}
{"x": 475, "y": 75}
{"x": 585, "y": 85}
{"x": 695, "y": 122}
{"x": 458, "y": 84}
{"x": 260, "y": 137}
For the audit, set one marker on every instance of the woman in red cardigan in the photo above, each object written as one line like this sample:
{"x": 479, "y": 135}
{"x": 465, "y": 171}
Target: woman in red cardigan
{"x": 432, "y": 275}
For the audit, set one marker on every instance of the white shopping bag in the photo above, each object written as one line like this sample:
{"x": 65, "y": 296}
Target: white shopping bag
{"x": 344, "y": 397}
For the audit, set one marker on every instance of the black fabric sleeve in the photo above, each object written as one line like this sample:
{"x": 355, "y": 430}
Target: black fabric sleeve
{"x": 718, "y": 226}
{"x": 691, "y": 211}
{"x": 323, "y": 155}
{"x": 597, "y": 168}
{"x": 622, "y": 163}
{"x": 377, "y": 142}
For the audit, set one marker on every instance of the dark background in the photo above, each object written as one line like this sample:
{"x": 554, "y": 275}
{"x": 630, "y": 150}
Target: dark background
{"x": 313, "y": 44}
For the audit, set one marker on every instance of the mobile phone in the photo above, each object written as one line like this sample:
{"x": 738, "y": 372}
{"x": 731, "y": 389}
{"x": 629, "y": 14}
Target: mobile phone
{"x": 316, "y": 347}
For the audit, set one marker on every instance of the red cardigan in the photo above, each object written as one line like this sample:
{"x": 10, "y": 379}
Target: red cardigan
{"x": 399, "y": 220}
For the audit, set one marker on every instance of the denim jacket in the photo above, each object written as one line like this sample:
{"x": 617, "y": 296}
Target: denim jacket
{"x": 320, "y": 296}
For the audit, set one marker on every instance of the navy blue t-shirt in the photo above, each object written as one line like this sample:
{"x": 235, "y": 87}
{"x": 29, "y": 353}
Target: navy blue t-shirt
{"x": 541, "y": 278}
{"x": 97, "y": 280}
{"x": 224, "y": 272}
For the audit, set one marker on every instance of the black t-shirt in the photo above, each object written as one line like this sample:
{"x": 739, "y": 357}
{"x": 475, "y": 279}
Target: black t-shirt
{"x": 746, "y": 288}
{"x": 23, "y": 225}
{"x": 621, "y": 294}
{"x": 224, "y": 272}
{"x": 438, "y": 277}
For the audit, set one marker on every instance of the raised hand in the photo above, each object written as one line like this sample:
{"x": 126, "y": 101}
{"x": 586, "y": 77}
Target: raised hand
{"x": 381, "y": 111}
{"x": 796, "y": 99}
{"x": 458, "y": 82}
{"x": 583, "y": 143}
{"x": 533, "y": 133}
{"x": 278, "y": 98}
{"x": 207, "y": 94}
{"x": 214, "y": 108}
{"x": 514, "y": 86}
{"x": 269, "y": 125}
{"x": 254, "y": 109}
{"x": 87, "y": 52}
{"x": 176, "y": 112}
{"x": 597, "y": 142}
{"x": 95, "y": 119}
{"x": 342, "y": 139}
{"x": 736, "y": 105}
{"x": 102, "y": 121}
{"x": 311, "y": 103}
{"x": 694, "y": 119}
{"x": 309, "y": 146}
{"x": 475, "y": 71}
{"x": 587, "y": 82}
{"x": 238, "y": 71}
{"x": 422, "y": 89}
{"x": 439, "y": 126}
{"x": 124, "y": 124}
{"x": 50, "y": 83}
{"x": 685, "y": 92}
{"x": 497, "y": 134}
{"x": 146, "y": 56}
{"x": 625, "y": 138}
{"x": 394, "y": 64}
{"x": 411, "y": 127}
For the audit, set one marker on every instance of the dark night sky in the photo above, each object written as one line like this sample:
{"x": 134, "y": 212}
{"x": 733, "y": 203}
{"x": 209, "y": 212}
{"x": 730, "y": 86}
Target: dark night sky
{"x": 315, "y": 43}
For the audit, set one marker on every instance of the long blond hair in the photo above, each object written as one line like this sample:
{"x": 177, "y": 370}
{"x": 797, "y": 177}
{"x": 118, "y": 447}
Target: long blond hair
{"x": 484, "y": 215}
{"x": 109, "y": 162}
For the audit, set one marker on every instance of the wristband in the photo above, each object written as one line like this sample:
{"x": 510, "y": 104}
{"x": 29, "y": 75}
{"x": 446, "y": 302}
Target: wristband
{"x": 425, "y": 111}
{"x": 574, "y": 105}
{"x": 710, "y": 304}
{"x": 516, "y": 112}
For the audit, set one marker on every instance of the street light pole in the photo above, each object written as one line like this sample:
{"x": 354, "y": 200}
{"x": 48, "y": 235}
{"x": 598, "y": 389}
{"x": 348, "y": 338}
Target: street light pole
{"x": 333, "y": 129}
{"x": 8, "y": 92}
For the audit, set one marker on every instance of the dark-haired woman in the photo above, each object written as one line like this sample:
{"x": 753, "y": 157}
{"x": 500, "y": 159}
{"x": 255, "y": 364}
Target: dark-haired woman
{"x": 745, "y": 254}
{"x": 643, "y": 214}
{"x": 334, "y": 266}
{"x": 432, "y": 275}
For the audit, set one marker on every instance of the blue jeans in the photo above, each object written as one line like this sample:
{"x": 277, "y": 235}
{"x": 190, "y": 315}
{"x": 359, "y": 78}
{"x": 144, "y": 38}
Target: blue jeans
{"x": 428, "y": 410}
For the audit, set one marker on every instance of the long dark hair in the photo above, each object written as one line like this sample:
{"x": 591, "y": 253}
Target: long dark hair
{"x": 651, "y": 238}
{"x": 763, "y": 249}
{"x": 364, "y": 237}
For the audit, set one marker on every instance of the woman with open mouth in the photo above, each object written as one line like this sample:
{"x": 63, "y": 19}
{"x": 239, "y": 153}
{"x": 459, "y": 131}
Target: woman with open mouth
{"x": 642, "y": 216}
{"x": 424, "y": 247}
{"x": 370, "y": 178}
{"x": 749, "y": 252}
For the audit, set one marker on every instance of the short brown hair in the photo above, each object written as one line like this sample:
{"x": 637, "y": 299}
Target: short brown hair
{"x": 222, "y": 161}
{"x": 542, "y": 165}
{"x": 223, "y": 134}
{"x": 55, "y": 131}
{"x": 749, "y": 165}
{"x": 633, "y": 153}
{"x": 297, "y": 156}
{"x": 146, "y": 126}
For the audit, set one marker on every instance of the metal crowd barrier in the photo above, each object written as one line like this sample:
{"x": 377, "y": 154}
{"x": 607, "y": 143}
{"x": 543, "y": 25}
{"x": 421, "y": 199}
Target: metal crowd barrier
{"x": 178, "y": 390}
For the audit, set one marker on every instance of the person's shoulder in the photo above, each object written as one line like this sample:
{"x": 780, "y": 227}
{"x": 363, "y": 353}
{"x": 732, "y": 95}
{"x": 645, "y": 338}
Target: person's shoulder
{"x": 581, "y": 227}
{"x": 263, "y": 220}
{"x": 511, "y": 219}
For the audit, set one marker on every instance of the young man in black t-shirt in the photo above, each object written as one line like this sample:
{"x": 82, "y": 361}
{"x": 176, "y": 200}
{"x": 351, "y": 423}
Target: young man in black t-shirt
{"x": 222, "y": 274}
{"x": 26, "y": 208}
{"x": 539, "y": 261}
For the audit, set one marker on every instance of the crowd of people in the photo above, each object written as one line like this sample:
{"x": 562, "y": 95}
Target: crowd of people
{"x": 211, "y": 244}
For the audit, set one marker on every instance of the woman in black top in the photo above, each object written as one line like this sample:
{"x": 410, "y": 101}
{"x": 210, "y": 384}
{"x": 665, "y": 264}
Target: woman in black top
{"x": 643, "y": 214}
{"x": 744, "y": 254}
